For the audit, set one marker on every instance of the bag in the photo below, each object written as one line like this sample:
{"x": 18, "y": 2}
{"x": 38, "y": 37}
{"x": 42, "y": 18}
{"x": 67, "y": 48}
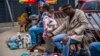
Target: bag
{"x": 13, "y": 45}
{"x": 12, "y": 39}
{"x": 25, "y": 54}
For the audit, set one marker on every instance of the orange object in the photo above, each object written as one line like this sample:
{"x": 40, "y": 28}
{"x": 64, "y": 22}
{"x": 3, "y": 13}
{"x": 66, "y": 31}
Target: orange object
{"x": 27, "y": 1}
{"x": 51, "y": 1}
{"x": 22, "y": 1}
{"x": 30, "y": 1}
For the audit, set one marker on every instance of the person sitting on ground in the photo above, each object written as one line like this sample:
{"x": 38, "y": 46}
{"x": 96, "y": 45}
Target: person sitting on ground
{"x": 34, "y": 30}
{"x": 35, "y": 19}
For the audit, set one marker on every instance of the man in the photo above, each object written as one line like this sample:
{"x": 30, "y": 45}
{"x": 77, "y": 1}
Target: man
{"x": 95, "y": 49}
{"x": 34, "y": 30}
{"x": 74, "y": 26}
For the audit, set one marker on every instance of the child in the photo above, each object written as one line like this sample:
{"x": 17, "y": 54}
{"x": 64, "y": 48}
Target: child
{"x": 34, "y": 18}
{"x": 49, "y": 25}
{"x": 34, "y": 30}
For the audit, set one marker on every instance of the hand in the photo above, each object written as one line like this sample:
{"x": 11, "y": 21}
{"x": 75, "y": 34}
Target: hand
{"x": 50, "y": 35}
{"x": 64, "y": 41}
{"x": 49, "y": 38}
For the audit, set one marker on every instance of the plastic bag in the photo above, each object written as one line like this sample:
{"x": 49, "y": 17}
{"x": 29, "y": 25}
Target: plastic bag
{"x": 25, "y": 54}
{"x": 13, "y": 45}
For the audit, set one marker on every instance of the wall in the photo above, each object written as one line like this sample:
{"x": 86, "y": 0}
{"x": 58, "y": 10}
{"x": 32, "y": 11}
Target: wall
{"x": 17, "y": 9}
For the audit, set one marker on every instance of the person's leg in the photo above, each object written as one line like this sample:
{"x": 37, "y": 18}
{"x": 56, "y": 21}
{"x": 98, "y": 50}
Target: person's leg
{"x": 66, "y": 48}
{"x": 33, "y": 31}
{"x": 95, "y": 49}
{"x": 49, "y": 45}
{"x": 57, "y": 39}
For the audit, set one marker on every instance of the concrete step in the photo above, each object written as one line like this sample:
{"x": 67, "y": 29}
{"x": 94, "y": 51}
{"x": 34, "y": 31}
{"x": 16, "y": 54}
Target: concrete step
{"x": 8, "y": 24}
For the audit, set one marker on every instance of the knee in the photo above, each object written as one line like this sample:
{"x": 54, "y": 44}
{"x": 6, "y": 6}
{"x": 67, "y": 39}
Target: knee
{"x": 93, "y": 44}
{"x": 31, "y": 30}
{"x": 54, "y": 39}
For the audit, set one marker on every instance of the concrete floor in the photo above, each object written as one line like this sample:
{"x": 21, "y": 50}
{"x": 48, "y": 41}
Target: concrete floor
{"x": 5, "y": 33}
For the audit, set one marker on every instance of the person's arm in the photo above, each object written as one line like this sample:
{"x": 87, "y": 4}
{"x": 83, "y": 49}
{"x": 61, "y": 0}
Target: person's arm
{"x": 46, "y": 21}
{"x": 59, "y": 29}
{"x": 53, "y": 24}
{"x": 84, "y": 23}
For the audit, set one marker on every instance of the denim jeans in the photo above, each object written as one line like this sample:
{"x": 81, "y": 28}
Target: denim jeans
{"x": 95, "y": 49}
{"x": 64, "y": 48}
{"x": 33, "y": 31}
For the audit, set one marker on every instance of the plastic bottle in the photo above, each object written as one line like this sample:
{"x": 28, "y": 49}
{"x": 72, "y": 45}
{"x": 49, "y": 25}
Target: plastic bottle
{"x": 28, "y": 40}
{"x": 20, "y": 40}
{"x": 20, "y": 45}
{"x": 24, "y": 40}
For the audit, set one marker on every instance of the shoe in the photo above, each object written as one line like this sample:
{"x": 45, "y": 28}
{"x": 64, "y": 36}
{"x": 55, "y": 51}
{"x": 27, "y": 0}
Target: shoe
{"x": 32, "y": 48}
